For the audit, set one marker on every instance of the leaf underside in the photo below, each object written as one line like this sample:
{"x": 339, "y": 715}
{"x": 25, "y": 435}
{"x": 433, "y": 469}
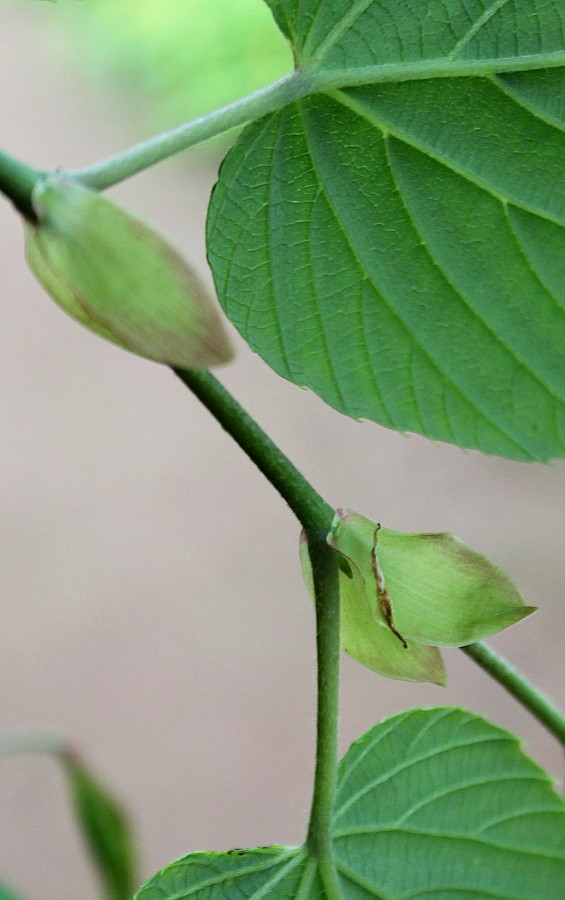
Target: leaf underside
{"x": 399, "y": 247}
{"x": 431, "y": 804}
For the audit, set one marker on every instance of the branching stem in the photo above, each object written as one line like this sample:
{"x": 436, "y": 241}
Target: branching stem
{"x": 316, "y": 517}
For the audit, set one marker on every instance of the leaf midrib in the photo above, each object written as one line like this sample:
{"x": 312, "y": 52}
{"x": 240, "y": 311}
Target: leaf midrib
{"x": 439, "y": 67}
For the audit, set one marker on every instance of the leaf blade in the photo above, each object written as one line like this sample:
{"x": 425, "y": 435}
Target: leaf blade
{"x": 424, "y": 786}
{"x": 253, "y": 872}
{"x": 431, "y": 803}
{"x": 362, "y": 270}
{"x": 344, "y": 35}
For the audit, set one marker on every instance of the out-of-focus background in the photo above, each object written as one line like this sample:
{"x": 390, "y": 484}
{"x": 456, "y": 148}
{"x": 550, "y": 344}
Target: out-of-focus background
{"x": 152, "y": 605}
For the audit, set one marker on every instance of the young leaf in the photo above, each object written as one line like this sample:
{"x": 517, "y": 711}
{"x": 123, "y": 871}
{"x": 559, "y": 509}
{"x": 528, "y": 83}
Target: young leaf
{"x": 433, "y": 803}
{"x": 431, "y": 587}
{"x": 118, "y": 277}
{"x": 106, "y": 831}
{"x": 399, "y": 246}
{"x": 364, "y": 638}
{"x": 104, "y": 825}
{"x": 404, "y": 595}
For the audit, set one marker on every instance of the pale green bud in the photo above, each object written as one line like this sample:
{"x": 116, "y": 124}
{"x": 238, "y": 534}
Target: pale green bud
{"x": 119, "y": 278}
{"x": 431, "y": 588}
{"x": 404, "y": 595}
{"x": 363, "y": 636}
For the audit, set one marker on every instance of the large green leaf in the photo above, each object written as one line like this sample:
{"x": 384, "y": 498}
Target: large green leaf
{"x": 399, "y": 247}
{"x": 353, "y": 34}
{"x": 431, "y": 803}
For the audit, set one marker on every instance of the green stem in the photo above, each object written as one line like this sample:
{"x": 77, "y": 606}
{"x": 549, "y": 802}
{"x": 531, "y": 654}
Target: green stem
{"x": 16, "y": 182}
{"x": 526, "y": 694}
{"x": 316, "y": 517}
{"x": 123, "y": 165}
{"x": 310, "y": 509}
{"x": 326, "y": 591}
{"x": 17, "y": 179}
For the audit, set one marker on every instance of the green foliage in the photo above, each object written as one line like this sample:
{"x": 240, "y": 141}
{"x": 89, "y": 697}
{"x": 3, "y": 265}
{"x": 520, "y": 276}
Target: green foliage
{"x": 395, "y": 241}
{"x": 103, "y": 823}
{"x": 431, "y": 803}
{"x": 118, "y": 277}
{"x": 400, "y": 247}
{"x": 345, "y": 34}
{"x": 433, "y": 587}
{"x": 106, "y": 831}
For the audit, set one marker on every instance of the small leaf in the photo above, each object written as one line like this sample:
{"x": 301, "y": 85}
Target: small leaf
{"x": 432, "y": 804}
{"x": 367, "y": 640}
{"x": 106, "y": 830}
{"x": 117, "y": 276}
{"x": 103, "y": 823}
{"x": 431, "y": 588}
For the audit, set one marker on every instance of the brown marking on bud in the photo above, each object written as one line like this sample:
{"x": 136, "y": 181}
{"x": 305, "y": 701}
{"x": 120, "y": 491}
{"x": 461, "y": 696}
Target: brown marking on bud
{"x": 383, "y": 598}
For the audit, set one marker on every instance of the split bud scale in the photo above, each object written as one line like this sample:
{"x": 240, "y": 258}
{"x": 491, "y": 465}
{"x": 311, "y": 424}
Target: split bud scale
{"x": 120, "y": 278}
{"x": 402, "y": 596}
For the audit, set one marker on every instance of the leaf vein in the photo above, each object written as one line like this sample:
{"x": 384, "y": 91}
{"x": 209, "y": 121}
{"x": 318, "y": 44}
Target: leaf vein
{"x": 476, "y": 27}
{"x": 463, "y": 299}
{"x": 443, "y": 836}
{"x": 463, "y": 786}
{"x": 409, "y": 763}
{"x": 413, "y": 337}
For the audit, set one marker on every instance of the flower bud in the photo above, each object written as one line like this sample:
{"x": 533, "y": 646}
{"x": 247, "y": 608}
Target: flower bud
{"x": 364, "y": 637}
{"x": 429, "y": 588}
{"x": 119, "y": 278}
{"x": 404, "y": 595}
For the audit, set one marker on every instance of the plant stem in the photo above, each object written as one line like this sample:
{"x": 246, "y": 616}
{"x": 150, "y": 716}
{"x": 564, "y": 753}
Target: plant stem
{"x": 16, "y": 182}
{"x": 316, "y": 517}
{"x": 311, "y": 510}
{"x": 117, "y": 168}
{"x": 326, "y": 591}
{"x": 17, "y": 179}
{"x": 526, "y": 694}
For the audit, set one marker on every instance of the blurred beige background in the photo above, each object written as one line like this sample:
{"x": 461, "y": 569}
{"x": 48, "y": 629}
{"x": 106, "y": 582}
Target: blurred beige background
{"x": 152, "y": 604}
